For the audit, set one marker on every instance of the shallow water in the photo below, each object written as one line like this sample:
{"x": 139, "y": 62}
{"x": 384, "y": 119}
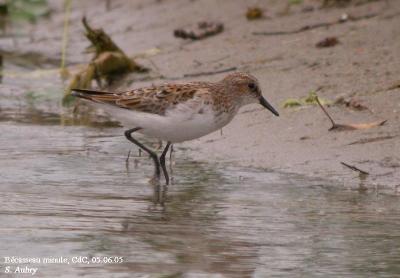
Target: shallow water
{"x": 66, "y": 191}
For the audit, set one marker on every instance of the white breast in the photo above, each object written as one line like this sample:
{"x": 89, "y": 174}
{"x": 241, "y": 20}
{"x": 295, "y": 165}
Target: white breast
{"x": 186, "y": 121}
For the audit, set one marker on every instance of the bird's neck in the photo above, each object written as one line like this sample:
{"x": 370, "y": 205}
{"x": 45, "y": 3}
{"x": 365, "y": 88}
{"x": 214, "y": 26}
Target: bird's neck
{"x": 224, "y": 103}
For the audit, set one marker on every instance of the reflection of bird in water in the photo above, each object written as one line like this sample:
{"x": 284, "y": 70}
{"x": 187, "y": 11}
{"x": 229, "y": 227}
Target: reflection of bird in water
{"x": 159, "y": 194}
{"x": 178, "y": 112}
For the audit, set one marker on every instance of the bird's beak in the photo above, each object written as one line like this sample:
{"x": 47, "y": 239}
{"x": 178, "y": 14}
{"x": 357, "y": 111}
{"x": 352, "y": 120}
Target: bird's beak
{"x": 265, "y": 103}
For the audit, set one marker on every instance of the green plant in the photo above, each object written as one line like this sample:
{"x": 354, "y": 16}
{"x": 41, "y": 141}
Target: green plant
{"x": 27, "y": 10}
{"x": 295, "y": 2}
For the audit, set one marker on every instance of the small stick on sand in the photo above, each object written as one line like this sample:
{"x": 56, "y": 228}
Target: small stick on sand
{"x": 354, "y": 168}
{"x": 315, "y": 26}
{"x": 334, "y": 125}
{"x": 209, "y": 72}
{"x": 341, "y": 127}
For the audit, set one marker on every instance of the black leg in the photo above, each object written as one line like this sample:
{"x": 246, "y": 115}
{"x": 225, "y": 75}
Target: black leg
{"x": 153, "y": 155}
{"x": 170, "y": 153}
{"x": 162, "y": 162}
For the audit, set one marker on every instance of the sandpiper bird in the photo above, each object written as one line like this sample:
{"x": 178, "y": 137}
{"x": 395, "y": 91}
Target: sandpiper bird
{"x": 178, "y": 112}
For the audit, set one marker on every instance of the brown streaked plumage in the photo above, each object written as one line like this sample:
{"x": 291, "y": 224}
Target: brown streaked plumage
{"x": 179, "y": 112}
{"x": 156, "y": 99}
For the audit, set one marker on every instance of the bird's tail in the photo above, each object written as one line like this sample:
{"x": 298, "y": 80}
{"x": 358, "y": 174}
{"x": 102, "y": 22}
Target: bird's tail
{"x": 94, "y": 95}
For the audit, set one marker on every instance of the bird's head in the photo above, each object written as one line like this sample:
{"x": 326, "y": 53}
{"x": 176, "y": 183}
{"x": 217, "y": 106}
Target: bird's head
{"x": 247, "y": 90}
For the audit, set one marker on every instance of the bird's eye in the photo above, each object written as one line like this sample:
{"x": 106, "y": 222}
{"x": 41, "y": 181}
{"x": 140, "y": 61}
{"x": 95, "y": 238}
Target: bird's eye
{"x": 252, "y": 86}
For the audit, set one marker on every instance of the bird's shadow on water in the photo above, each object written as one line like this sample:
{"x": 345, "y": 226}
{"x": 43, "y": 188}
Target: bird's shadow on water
{"x": 183, "y": 183}
{"x": 196, "y": 172}
{"x": 181, "y": 224}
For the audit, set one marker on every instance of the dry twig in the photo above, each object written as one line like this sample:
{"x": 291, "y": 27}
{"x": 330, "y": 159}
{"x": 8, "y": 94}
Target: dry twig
{"x": 354, "y": 168}
{"x": 315, "y": 26}
{"x": 341, "y": 127}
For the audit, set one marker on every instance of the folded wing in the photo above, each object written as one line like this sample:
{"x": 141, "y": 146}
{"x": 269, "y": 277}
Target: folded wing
{"x": 153, "y": 100}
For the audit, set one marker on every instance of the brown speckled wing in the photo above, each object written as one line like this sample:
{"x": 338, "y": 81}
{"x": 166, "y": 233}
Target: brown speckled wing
{"x": 154, "y": 99}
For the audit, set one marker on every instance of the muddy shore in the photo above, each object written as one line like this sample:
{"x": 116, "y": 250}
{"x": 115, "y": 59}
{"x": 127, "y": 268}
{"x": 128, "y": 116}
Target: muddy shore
{"x": 364, "y": 65}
